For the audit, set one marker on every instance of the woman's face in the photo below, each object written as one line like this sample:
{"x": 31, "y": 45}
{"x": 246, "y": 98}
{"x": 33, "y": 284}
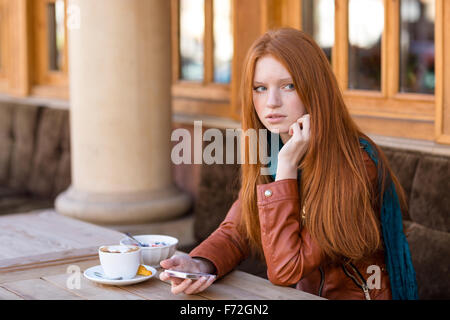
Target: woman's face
{"x": 274, "y": 96}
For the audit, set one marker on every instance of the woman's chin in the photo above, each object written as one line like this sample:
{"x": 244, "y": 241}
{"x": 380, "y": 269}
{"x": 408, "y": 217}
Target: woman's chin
{"x": 277, "y": 129}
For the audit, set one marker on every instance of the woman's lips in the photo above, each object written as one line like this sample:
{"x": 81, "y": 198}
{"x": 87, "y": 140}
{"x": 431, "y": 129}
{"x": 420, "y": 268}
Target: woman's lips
{"x": 275, "y": 118}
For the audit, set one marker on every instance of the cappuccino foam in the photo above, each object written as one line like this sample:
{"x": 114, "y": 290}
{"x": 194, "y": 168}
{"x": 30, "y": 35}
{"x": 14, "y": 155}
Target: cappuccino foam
{"x": 118, "y": 249}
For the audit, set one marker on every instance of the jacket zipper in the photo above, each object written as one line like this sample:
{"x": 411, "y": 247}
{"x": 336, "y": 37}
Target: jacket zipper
{"x": 362, "y": 285}
{"x": 363, "y": 282}
{"x": 322, "y": 280}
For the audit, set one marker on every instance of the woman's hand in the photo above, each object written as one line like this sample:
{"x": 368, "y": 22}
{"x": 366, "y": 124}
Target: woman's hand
{"x": 294, "y": 149}
{"x": 187, "y": 264}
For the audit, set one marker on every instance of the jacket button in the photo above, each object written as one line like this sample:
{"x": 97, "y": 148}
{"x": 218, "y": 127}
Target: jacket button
{"x": 268, "y": 193}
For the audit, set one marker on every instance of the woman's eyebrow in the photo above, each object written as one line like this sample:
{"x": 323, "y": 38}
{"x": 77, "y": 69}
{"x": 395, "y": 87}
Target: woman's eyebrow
{"x": 281, "y": 80}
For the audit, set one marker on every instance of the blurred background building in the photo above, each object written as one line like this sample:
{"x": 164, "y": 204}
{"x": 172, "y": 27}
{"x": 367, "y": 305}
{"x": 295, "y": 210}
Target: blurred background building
{"x": 90, "y": 91}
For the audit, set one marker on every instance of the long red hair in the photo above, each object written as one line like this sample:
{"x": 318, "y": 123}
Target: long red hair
{"x": 335, "y": 189}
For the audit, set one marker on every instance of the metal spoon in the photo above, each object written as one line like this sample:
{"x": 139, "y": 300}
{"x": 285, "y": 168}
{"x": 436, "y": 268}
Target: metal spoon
{"x": 135, "y": 240}
{"x": 98, "y": 274}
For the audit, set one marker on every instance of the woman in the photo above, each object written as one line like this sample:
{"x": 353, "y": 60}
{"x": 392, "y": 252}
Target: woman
{"x": 328, "y": 221}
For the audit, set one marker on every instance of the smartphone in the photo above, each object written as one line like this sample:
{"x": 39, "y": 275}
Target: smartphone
{"x": 188, "y": 275}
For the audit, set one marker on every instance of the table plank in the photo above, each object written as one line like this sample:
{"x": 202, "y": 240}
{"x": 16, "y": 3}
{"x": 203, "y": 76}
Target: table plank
{"x": 221, "y": 291}
{"x": 265, "y": 288}
{"x": 41, "y": 271}
{"x": 79, "y": 231}
{"x": 8, "y": 295}
{"x": 92, "y": 291}
{"x": 39, "y": 289}
{"x": 46, "y": 259}
{"x": 46, "y": 236}
{"x": 155, "y": 289}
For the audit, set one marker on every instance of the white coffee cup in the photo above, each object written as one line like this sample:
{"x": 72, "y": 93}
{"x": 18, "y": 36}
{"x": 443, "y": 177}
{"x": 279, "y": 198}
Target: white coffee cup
{"x": 120, "y": 260}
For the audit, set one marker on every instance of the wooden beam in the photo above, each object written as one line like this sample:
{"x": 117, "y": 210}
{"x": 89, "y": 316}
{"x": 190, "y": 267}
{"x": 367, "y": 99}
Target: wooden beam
{"x": 442, "y": 40}
{"x": 340, "y": 52}
{"x": 246, "y": 29}
{"x": 391, "y": 58}
{"x": 292, "y": 13}
{"x": 208, "y": 58}
{"x": 20, "y": 77}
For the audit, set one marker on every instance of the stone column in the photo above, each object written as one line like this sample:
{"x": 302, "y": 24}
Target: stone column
{"x": 120, "y": 114}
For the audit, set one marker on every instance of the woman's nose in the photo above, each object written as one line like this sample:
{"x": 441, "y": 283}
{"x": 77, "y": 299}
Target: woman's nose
{"x": 274, "y": 99}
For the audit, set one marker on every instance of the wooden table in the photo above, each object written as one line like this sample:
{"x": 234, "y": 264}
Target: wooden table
{"x": 40, "y": 251}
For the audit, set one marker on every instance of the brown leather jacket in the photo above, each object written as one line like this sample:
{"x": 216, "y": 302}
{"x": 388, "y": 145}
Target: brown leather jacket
{"x": 292, "y": 256}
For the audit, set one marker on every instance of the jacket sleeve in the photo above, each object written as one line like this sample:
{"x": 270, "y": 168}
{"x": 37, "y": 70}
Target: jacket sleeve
{"x": 289, "y": 250}
{"x": 225, "y": 247}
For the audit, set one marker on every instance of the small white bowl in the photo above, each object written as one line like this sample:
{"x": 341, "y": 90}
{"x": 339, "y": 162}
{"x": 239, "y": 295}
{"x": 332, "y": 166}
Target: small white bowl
{"x": 152, "y": 256}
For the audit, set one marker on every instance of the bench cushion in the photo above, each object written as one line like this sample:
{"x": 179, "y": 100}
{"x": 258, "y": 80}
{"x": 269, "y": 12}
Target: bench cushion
{"x": 403, "y": 164}
{"x": 430, "y": 200}
{"x": 430, "y": 253}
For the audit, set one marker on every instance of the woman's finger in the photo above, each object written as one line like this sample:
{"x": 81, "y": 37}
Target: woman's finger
{"x": 208, "y": 282}
{"x": 176, "y": 289}
{"x": 193, "y": 288}
{"x": 291, "y": 128}
{"x": 306, "y": 126}
{"x": 296, "y": 130}
{"x": 164, "y": 276}
{"x": 170, "y": 263}
{"x": 300, "y": 122}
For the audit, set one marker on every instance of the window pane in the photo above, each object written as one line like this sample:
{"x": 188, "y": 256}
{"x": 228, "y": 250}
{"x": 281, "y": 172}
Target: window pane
{"x": 192, "y": 31}
{"x": 417, "y": 46}
{"x": 318, "y": 21}
{"x": 366, "y": 24}
{"x": 56, "y": 35}
{"x": 1, "y": 41}
{"x": 223, "y": 41}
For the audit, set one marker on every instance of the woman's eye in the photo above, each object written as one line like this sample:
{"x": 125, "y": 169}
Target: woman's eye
{"x": 259, "y": 89}
{"x": 290, "y": 86}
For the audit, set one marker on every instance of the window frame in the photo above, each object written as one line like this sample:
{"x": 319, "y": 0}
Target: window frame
{"x": 205, "y": 97}
{"x": 374, "y": 109}
{"x": 44, "y": 82}
{"x": 442, "y": 92}
{"x": 4, "y": 48}
{"x": 389, "y": 101}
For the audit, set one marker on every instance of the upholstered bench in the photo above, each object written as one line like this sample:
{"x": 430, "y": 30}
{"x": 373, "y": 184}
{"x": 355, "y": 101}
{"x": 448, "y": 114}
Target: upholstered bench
{"x": 426, "y": 180}
{"x": 34, "y": 156}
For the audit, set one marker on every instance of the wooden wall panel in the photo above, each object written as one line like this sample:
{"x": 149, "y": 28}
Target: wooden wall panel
{"x": 19, "y": 47}
{"x": 443, "y": 72}
{"x": 412, "y": 129}
{"x": 4, "y": 46}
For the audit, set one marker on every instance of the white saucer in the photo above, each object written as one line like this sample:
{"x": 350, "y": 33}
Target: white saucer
{"x": 89, "y": 274}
